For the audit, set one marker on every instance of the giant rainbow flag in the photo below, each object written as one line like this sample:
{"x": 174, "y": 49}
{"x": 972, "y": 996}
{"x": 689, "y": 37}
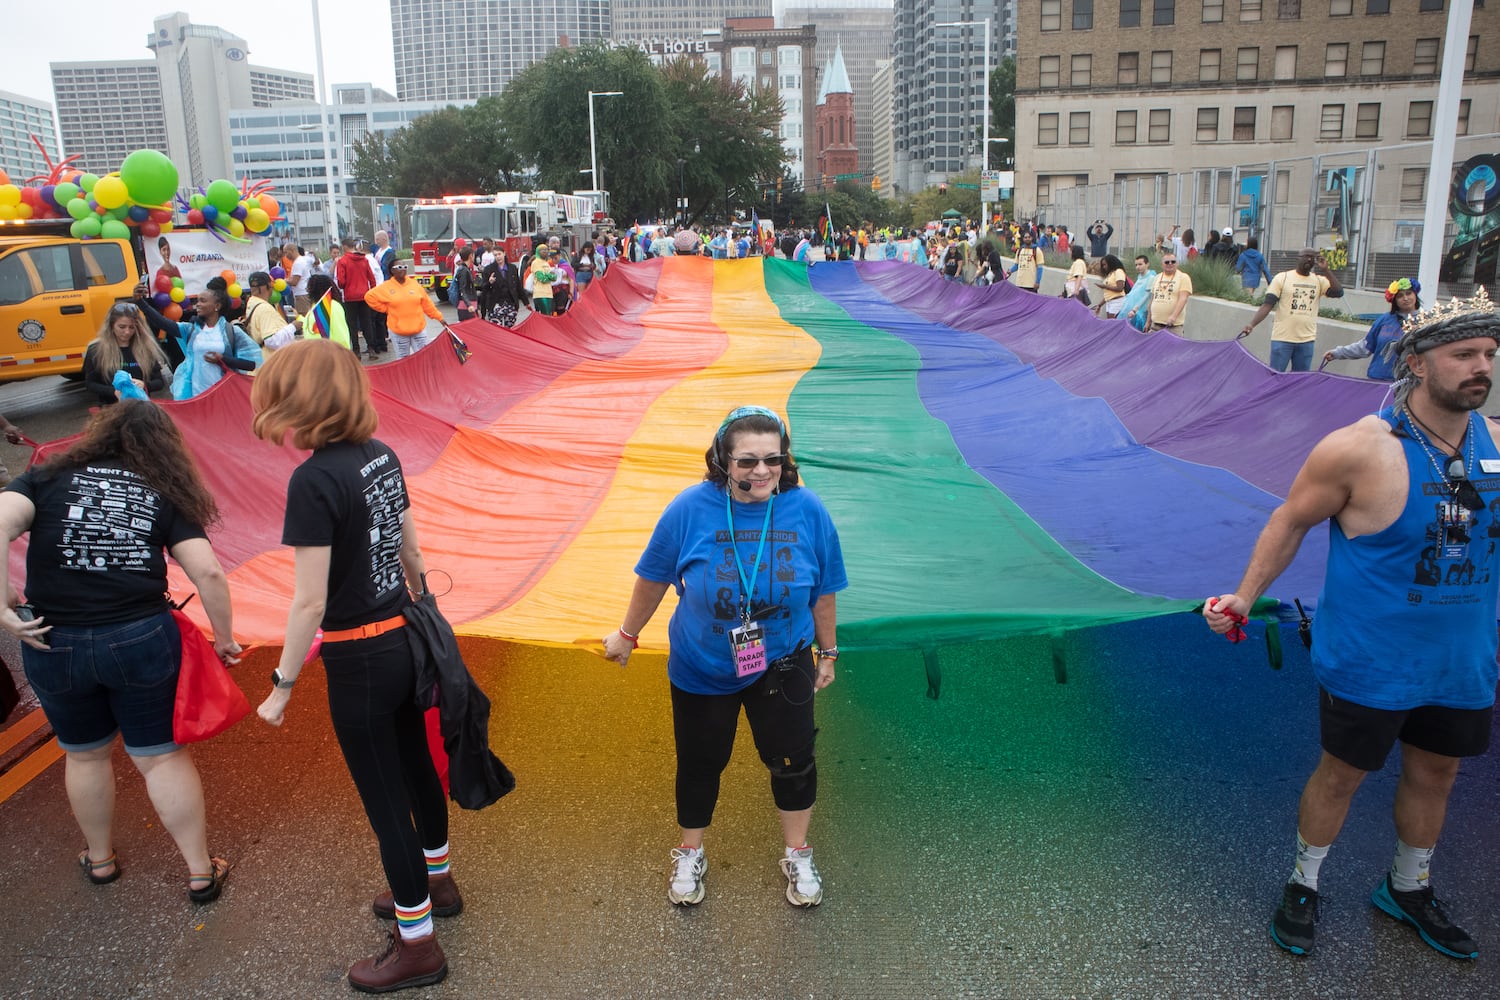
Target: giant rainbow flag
{"x": 998, "y": 463}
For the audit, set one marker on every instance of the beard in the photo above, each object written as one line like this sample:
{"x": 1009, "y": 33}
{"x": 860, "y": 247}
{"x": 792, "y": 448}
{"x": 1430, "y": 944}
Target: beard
{"x": 1462, "y": 398}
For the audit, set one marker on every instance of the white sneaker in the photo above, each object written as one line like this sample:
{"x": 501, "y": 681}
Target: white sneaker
{"x": 804, "y": 887}
{"x": 688, "y": 868}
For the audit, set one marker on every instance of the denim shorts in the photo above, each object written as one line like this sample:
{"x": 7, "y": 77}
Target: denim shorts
{"x": 96, "y": 681}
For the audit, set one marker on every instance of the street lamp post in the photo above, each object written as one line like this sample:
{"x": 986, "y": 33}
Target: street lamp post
{"x": 681, "y": 193}
{"x": 998, "y": 138}
{"x": 984, "y": 220}
{"x": 593, "y": 146}
{"x": 323, "y": 126}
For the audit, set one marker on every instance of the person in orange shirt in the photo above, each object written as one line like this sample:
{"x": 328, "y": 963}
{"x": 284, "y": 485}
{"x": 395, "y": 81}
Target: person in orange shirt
{"x": 406, "y": 305}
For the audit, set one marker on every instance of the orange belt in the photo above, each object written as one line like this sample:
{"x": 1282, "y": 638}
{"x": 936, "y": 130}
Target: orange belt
{"x": 369, "y": 631}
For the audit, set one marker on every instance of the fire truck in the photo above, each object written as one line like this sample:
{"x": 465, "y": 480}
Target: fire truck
{"x": 510, "y": 218}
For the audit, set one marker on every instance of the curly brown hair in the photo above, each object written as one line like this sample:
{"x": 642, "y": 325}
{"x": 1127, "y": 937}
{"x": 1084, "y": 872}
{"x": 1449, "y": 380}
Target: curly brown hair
{"x": 716, "y": 458}
{"x": 140, "y": 436}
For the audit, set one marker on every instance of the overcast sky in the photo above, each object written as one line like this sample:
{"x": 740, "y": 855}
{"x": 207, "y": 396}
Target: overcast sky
{"x": 356, "y": 36}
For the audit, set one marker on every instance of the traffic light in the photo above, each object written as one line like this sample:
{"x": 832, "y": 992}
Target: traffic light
{"x": 778, "y": 185}
{"x": 942, "y": 187}
{"x": 822, "y": 180}
{"x": 875, "y": 183}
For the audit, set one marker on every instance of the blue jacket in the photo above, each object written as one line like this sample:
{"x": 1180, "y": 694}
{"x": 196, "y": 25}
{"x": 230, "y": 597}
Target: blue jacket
{"x": 1250, "y": 266}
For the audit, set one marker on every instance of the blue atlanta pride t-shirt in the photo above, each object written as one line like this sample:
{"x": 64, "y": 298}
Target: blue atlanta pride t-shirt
{"x": 692, "y": 549}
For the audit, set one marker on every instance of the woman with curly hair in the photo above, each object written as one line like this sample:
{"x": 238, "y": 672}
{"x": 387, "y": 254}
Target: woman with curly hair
{"x": 99, "y": 644}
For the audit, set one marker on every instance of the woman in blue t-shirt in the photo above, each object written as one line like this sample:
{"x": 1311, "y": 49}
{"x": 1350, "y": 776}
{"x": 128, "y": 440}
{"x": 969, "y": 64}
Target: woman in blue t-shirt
{"x": 1377, "y": 344}
{"x": 755, "y": 560}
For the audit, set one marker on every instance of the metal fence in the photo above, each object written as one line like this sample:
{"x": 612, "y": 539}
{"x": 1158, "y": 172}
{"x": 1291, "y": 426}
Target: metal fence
{"x": 1369, "y": 200}
{"x": 304, "y": 219}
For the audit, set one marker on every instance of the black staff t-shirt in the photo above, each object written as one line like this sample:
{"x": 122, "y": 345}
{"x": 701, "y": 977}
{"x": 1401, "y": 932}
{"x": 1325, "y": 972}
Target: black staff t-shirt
{"x": 351, "y": 497}
{"x": 96, "y": 553}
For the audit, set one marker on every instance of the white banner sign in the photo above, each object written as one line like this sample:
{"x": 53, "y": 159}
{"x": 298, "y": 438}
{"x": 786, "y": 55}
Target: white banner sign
{"x": 197, "y": 255}
{"x": 992, "y": 182}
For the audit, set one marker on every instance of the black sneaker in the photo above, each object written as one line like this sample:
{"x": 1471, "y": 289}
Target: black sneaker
{"x": 1292, "y": 923}
{"x": 1426, "y": 914}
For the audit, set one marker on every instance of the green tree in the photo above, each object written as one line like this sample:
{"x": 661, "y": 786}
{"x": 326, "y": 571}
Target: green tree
{"x": 451, "y": 151}
{"x": 1003, "y": 111}
{"x": 930, "y": 204}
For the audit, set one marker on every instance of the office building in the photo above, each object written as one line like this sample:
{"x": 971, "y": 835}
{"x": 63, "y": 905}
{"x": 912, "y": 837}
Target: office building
{"x": 1141, "y": 90}
{"x": 178, "y": 103}
{"x": 285, "y": 145}
{"x": 460, "y": 50}
{"x": 862, "y": 29}
{"x": 759, "y": 54}
{"x": 635, "y": 21}
{"x": 940, "y": 86}
{"x": 20, "y": 119}
{"x": 881, "y": 129}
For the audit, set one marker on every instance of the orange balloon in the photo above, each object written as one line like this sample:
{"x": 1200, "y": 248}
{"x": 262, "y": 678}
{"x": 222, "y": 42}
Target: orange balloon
{"x": 4, "y": 177}
{"x": 173, "y": 312}
{"x": 270, "y": 206}
{"x": 227, "y": 275}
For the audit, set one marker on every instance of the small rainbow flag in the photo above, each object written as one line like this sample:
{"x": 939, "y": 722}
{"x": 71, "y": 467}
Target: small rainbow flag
{"x": 320, "y": 316}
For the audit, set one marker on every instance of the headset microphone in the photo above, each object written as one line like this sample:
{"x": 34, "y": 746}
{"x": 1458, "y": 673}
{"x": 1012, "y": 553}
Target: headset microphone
{"x": 743, "y": 484}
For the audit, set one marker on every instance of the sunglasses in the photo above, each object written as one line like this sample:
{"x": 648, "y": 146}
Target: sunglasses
{"x": 751, "y": 461}
{"x": 1463, "y": 490}
{"x": 1166, "y": 262}
{"x": 125, "y": 309}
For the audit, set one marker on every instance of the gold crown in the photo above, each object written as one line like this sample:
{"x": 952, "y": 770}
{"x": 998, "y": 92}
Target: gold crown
{"x": 1479, "y": 302}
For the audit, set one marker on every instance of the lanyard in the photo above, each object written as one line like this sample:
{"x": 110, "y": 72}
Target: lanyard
{"x": 747, "y": 587}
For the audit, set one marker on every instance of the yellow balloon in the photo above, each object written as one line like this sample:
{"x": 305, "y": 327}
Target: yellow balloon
{"x": 166, "y": 227}
{"x": 236, "y": 228}
{"x": 7, "y": 212}
{"x": 10, "y": 194}
{"x": 235, "y": 291}
{"x": 23, "y": 211}
{"x": 279, "y": 284}
{"x": 256, "y": 220}
{"x": 177, "y": 294}
{"x": 111, "y": 192}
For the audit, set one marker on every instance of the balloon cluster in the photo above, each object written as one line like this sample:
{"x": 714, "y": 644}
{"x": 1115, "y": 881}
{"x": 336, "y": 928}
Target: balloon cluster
{"x": 230, "y": 212}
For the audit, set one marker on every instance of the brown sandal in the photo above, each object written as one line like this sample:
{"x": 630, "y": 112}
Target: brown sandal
{"x": 215, "y": 880}
{"x": 91, "y": 868}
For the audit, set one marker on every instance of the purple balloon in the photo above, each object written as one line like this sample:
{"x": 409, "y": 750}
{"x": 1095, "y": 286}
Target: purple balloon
{"x": 240, "y": 211}
{"x": 47, "y": 191}
{"x": 161, "y": 299}
{"x": 278, "y": 271}
{"x": 93, "y": 205}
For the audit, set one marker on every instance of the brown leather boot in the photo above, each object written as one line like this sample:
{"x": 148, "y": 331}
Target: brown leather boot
{"x": 446, "y": 902}
{"x": 400, "y": 965}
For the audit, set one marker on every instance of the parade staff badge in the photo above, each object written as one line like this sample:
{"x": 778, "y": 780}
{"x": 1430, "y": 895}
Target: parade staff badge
{"x": 749, "y": 644}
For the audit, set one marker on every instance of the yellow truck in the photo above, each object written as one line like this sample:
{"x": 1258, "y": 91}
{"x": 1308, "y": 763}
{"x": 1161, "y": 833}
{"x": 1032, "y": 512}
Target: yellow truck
{"x": 55, "y": 292}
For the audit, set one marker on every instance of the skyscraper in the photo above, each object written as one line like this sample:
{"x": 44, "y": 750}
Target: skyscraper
{"x": 108, "y": 110}
{"x": 643, "y": 20}
{"x": 457, "y": 50}
{"x": 20, "y": 119}
{"x": 940, "y": 86}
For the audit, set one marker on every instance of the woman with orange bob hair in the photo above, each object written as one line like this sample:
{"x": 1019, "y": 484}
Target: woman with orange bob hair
{"x": 357, "y": 558}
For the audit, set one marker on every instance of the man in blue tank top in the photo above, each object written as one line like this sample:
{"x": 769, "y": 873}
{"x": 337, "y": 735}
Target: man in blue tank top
{"x": 1405, "y": 640}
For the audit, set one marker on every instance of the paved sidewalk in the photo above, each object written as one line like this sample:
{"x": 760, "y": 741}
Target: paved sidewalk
{"x": 1123, "y": 835}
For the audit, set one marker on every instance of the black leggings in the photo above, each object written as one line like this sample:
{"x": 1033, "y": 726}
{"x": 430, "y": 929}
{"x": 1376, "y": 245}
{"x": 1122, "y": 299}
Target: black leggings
{"x": 371, "y": 687}
{"x": 781, "y": 723}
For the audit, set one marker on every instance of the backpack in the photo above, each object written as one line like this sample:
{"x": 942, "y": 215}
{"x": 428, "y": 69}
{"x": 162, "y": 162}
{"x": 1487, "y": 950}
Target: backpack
{"x": 452, "y": 292}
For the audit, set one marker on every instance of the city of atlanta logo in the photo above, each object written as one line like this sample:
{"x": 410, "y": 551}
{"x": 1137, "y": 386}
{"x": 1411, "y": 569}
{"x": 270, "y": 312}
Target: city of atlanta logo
{"x": 32, "y": 331}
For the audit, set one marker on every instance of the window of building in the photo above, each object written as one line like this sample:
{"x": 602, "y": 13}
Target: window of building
{"x": 1051, "y": 15}
{"x": 1208, "y": 125}
{"x": 1244, "y": 124}
{"x": 1247, "y": 63}
{"x": 1286, "y": 62}
{"x": 1419, "y": 120}
{"x": 1083, "y": 15}
{"x": 1208, "y": 65}
{"x": 1124, "y": 128}
{"x": 1159, "y": 125}
{"x": 1161, "y": 66}
{"x": 1377, "y": 6}
{"x": 1367, "y": 121}
{"x": 1372, "y": 59}
{"x": 1128, "y": 69}
{"x": 1213, "y": 11}
{"x": 1078, "y": 128}
{"x": 1049, "y": 72}
{"x": 1164, "y": 12}
{"x": 1463, "y": 116}
{"x": 1340, "y": 8}
{"x": 1130, "y": 13}
{"x": 1471, "y": 53}
{"x": 1424, "y": 61}
{"x": 1336, "y": 60}
{"x": 1332, "y": 125}
{"x": 1082, "y": 71}
{"x": 1430, "y": 5}
{"x": 1046, "y": 129}
{"x": 1414, "y": 185}
{"x": 765, "y": 57}
{"x": 1281, "y": 122}
{"x": 1289, "y": 10}
{"x": 1249, "y": 10}
{"x": 1043, "y": 190}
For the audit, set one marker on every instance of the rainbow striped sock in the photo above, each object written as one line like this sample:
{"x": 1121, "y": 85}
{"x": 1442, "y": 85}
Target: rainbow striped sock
{"x": 437, "y": 861}
{"x": 414, "y": 922}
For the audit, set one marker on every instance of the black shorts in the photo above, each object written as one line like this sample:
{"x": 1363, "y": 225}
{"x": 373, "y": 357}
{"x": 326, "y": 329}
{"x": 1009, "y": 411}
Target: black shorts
{"x": 1362, "y": 737}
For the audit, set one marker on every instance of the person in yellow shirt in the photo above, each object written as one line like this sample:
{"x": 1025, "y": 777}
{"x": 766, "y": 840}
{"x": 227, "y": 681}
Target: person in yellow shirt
{"x": 1028, "y": 268}
{"x": 407, "y": 306}
{"x": 1112, "y": 288}
{"x": 542, "y": 266}
{"x": 1296, "y": 296}
{"x": 1169, "y": 297}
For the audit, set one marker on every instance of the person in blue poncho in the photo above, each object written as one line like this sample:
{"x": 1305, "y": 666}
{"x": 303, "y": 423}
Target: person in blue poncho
{"x": 1136, "y": 309}
{"x": 211, "y": 345}
{"x": 1384, "y": 332}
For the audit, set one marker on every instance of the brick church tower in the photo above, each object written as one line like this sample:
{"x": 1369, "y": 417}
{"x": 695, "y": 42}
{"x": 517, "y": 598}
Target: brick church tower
{"x": 834, "y": 121}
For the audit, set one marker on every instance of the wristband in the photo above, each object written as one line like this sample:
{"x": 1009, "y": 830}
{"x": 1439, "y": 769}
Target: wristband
{"x": 634, "y": 639}
{"x": 828, "y": 653}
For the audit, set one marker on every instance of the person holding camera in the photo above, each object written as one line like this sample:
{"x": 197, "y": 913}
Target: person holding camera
{"x": 755, "y": 560}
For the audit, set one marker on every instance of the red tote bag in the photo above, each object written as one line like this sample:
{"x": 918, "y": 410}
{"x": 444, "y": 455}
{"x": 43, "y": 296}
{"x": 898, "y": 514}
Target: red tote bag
{"x": 208, "y": 699}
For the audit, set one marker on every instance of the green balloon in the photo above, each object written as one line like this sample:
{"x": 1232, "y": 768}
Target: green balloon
{"x": 223, "y": 195}
{"x": 150, "y": 177}
{"x": 87, "y": 182}
{"x": 89, "y": 227}
{"x": 197, "y": 201}
{"x": 77, "y": 230}
{"x": 114, "y": 229}
{"x": 118, "y": 214}
{"x": 79, "y": 209}
{"x": 65, "y": 192}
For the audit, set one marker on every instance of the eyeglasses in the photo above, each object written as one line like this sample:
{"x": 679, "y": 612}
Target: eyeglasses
{"x": 751, "y": 461}
{"x": 1165, "y": 263}
{"x": 1463, "y": 489}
